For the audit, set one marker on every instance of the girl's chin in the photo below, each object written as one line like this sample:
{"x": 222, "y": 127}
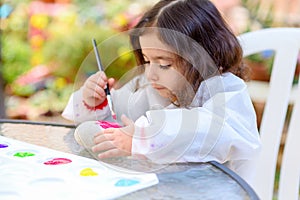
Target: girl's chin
{"x": 161, "y": 91}
{"x": 164, "y": 94}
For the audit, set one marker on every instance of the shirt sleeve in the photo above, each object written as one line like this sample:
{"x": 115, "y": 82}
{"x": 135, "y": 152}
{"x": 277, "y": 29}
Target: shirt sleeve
{"x": 195, "y": 135}
{"x": 77, "y": 112}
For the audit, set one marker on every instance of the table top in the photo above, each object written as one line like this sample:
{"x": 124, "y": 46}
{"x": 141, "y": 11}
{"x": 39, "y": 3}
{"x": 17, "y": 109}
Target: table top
{"x": 177, "y": 181}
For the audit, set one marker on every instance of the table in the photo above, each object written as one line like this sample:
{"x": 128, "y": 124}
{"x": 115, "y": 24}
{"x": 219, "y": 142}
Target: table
{"x": 177, "y": 181}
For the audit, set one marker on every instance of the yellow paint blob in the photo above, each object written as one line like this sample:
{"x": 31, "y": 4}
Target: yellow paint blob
{"x": 88, "y": 172}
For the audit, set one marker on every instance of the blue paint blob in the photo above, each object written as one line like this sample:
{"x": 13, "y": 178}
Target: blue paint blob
{"x": 126, "y": 182}
{"x": 3, "y": 145}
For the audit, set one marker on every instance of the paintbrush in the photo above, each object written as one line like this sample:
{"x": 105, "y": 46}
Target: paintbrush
{"x": 100, "y": 67}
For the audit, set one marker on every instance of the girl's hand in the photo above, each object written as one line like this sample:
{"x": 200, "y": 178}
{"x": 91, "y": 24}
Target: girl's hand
{"x": 114, "y": 142}
{"x": 93, "y": 88}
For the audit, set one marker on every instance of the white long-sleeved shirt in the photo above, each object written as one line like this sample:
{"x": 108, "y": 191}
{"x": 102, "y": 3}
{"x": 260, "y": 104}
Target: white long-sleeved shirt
{"x": 220, "y": 125}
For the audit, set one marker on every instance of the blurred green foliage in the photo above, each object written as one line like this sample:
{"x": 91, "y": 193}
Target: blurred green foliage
{"x": 64, "y": 45}
{"x": 68, "y": 42}
{"x": 15, "y": 49}
{"x": 74, "y": 52}
{"x": 15, "y": 54}
{"x": 258, "y": 19}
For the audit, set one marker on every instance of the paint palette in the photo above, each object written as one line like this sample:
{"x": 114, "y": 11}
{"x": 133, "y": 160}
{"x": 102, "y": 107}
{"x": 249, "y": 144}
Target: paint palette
{"x": 33, "y": 172}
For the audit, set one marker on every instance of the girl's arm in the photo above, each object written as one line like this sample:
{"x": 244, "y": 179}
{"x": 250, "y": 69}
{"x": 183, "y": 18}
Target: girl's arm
{"x": 194, "y": 135}
{"x": 223, "y": 129}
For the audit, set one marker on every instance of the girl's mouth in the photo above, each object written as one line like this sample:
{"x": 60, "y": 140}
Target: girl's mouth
{"x": 157, "y": 87}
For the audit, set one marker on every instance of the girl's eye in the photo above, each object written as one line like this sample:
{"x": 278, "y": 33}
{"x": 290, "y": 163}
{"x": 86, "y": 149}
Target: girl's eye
{"x": 165, "y": 66}
{"x": 160, "y": 66}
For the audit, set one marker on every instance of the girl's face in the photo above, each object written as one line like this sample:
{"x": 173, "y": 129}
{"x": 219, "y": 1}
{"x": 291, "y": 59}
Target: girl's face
{"x": 160, "y": 68}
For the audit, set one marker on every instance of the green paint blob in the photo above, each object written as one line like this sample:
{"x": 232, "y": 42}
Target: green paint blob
{"x": 23, "y": 154}
{"x": 126, "y": 182}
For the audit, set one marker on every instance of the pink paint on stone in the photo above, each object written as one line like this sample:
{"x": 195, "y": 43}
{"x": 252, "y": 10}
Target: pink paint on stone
{"x": 106, "y": 124}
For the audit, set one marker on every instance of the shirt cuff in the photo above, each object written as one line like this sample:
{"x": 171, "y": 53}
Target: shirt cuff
{"x": 98, "y": 107}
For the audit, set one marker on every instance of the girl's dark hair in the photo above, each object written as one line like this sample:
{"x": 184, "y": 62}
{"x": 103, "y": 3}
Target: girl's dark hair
{"x": 205, "y": 31}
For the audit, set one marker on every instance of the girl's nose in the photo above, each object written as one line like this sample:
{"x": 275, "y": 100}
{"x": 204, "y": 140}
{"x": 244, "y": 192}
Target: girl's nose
{"x": 151, "y": 72}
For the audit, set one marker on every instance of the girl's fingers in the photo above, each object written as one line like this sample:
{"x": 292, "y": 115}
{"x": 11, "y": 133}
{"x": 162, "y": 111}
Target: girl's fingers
{"x": 103, "y": 146}
{"x": 97, "y": 76}
{"x": 95, "y": 89}
{"x": 97, "y": 81}
{"x": 100, "y": 137}
{"x": 126, "y": 121}
{"x": 109, "y": 131}
{"x": 111, "y": 82}
{"x": 105, "y": 131}
{"x": 112, "y": 142}
{"x": 128, "y": 128}
{"x": 101, "y": 79}
{"x": 93, "y": 93}
{"x": 113, "y": 153}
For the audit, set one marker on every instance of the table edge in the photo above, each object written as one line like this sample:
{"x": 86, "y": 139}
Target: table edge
{"x": 18, "y": 121}
{"x": 250, "y": 191}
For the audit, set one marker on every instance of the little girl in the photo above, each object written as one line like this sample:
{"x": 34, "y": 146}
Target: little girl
{"x": 188, "y": 103}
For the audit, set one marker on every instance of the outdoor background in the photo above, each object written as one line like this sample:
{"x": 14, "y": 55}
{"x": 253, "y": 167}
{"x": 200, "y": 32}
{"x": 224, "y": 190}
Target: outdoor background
{"x": 44, "y": 43}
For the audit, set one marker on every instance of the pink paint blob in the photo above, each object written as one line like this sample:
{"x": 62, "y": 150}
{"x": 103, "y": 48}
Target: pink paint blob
{"x": 58, "y": 161}
{"x": 106, "y": 124}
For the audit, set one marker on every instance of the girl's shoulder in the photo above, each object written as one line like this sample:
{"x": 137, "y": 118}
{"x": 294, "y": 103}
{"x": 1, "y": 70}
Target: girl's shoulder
{"x": 231, "y": 81}
{"x": 225, "y": 80}
{"x": 225, "y": 83}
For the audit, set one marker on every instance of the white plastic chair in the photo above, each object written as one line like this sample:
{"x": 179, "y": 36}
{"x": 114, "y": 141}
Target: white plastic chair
{"x": 286, "y": 44}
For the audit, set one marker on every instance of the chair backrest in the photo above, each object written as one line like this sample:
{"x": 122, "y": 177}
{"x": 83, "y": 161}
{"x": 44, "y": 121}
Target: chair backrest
{"x": 285, "y": 42}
